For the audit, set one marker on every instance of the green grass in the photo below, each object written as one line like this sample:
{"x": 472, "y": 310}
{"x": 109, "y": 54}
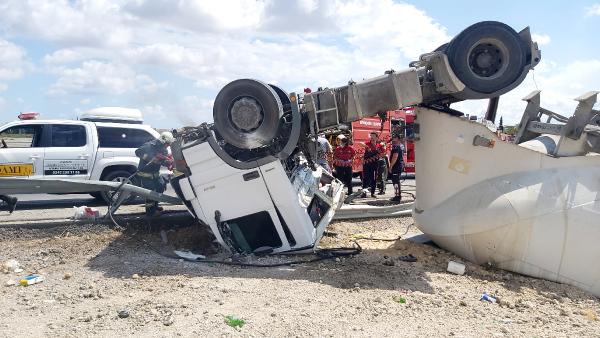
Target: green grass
{"x": 399, "y": 299}
{"x": 234, "y": 321}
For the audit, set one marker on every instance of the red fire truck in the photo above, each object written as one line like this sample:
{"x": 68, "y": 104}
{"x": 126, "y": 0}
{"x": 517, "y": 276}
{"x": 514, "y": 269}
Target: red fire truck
{"x": 397, "y": 120}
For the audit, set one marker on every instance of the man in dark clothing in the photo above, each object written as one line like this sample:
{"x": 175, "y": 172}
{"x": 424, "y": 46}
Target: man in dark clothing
{"x": 11, "y": 202}
{"x": 343, "y": 156}
{"x": 154, "y": 154}
{"x": 373, "y": 152}
{"x": 396, "y": 165}
{"x": 381, "y": 166}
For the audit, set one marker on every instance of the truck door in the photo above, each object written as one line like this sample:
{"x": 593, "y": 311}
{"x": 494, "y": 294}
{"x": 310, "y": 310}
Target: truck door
{"x": 70, "y": 151}
{"x": 21, "y": 151}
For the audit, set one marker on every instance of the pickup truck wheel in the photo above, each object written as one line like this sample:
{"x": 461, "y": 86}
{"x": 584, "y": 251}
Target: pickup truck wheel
{"x": 117, "y": 176}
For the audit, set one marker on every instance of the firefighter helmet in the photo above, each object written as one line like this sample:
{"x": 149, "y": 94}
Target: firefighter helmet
{"x": 166, "y": 137}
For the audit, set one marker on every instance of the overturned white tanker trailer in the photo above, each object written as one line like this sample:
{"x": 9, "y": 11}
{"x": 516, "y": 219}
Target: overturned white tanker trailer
{"x": 531, "y": 207}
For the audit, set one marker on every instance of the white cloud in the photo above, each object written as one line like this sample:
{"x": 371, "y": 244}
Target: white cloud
{"x": 541, "y": 39}
{"x": 205, "y": 16}
{"x": 592, "y": 10}
{"x": 13, "y": 62}
{"x": 189, "y": 111}
{"x": 82, "y": 22}
{"x": 355, "y": 40}
{"x": 96, "y": 77}
{"x": 63, "y": 56}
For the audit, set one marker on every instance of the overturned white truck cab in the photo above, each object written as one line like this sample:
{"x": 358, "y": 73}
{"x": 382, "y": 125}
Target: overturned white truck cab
{"x": 263, "y": 206}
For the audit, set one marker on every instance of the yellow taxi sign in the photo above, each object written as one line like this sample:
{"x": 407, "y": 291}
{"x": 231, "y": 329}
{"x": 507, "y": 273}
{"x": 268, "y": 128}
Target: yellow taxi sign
{"x": 22, "y": 169}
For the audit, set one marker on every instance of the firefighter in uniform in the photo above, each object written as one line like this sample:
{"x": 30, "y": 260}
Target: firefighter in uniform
{"x": 343, "y": 156}
{"x": 373, "y": 152}
{"x": 154, "y": 154}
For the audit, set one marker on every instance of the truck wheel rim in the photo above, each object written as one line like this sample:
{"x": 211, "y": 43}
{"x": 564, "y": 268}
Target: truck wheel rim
{"x": 487, "y": 59}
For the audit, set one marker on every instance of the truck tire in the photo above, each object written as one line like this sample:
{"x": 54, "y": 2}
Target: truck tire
{"x": 487, "y": 56}
{"x": 246, "y": 113}
{"x": 117, "y": 176}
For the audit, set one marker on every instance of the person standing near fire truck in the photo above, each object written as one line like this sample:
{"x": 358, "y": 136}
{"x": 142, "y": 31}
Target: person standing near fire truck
{"x": 396, "y": 165}
{"x": 324, "y": 148}
{"x": 381, "y": 166}
{"x": 373, "y": 152}
{"x": 343, "y": 156}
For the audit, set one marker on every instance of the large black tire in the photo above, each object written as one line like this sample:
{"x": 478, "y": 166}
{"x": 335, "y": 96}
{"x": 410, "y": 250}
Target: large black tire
{"x": 487, "y": 56}
{"x": 246, "y": 113}
{"x": 117, "y": 176}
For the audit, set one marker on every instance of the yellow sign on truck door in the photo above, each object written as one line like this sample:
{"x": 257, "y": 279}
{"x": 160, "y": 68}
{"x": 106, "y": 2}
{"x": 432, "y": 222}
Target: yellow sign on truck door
{"x": 21, "y": 169}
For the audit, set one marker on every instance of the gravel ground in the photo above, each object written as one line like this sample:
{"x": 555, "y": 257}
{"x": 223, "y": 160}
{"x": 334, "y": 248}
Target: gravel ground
{"x": 95, "y": 275}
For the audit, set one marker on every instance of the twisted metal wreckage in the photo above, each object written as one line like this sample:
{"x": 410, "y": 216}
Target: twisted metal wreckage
{"x": 530, "y": 207}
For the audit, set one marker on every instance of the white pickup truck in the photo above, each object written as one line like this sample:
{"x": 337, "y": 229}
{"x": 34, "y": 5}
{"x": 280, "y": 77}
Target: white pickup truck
{"x": 85, "y": 150}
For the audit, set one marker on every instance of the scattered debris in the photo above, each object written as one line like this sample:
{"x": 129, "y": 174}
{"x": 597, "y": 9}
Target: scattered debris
{"x": 408, "y": 258}
{"x": 234, "y": 321}
{"x": 84, "y": 212}
{"x": 487, "y": 298}
{"x": 456, "y": 268}
{"x": 168, "y": 320}
{"x": 399, "y": 299}
{"x": 123, "y": 313}
{"x": 189, "y": 255}
{"x": 12, "y": 265}
{"x": 67, "y": 275}
{"x": 135, "y": 276}
{"x": 31, "y": 279}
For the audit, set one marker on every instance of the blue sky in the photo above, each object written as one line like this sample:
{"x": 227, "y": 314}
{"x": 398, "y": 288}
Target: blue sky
{"x": 170, "y": 58}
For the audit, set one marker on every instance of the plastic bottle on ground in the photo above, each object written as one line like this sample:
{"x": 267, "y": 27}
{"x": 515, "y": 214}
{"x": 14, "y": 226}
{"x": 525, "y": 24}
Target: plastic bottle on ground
{"x": 31, "y": 279}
